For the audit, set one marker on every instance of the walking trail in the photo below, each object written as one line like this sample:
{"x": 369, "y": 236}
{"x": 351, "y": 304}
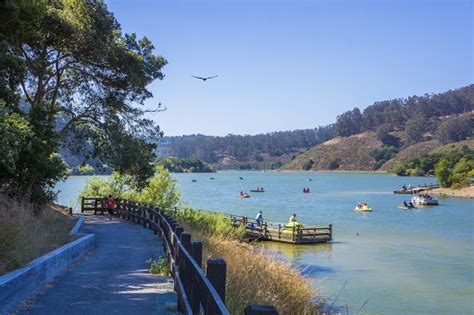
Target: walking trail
{"x": 113, "y": 278}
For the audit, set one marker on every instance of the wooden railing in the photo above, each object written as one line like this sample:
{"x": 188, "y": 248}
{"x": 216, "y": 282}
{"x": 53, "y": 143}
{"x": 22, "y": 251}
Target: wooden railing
{"x": 197, "y": 292}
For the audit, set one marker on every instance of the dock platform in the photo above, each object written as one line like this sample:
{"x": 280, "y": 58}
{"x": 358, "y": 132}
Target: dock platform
{"x": 415, "y": 190}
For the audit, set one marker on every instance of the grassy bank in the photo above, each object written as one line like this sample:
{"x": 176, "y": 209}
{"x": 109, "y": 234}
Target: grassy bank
{"x": 252, "y": 277}
{"x": 25, "y": 236}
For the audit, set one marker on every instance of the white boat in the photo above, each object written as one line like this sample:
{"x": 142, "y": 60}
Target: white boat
{"x": 424, "y": 200}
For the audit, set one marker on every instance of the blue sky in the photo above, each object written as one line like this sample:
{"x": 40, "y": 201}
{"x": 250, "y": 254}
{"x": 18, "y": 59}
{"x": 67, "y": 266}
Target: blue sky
{"x": 286, "y": 65}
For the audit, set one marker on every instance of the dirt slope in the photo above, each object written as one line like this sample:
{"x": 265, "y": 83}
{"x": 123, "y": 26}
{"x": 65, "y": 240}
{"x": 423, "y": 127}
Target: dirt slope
{"x": 348, "y": 154}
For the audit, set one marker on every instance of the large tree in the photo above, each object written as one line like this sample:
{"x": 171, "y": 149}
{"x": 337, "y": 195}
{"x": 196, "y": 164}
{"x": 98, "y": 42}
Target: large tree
{"x": 80, "y": 78}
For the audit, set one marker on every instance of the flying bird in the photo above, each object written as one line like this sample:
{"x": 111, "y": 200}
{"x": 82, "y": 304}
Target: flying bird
{"x": 204, "y": 78}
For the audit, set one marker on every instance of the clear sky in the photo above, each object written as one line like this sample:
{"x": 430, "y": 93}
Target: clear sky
{"x": 286, "y": 65}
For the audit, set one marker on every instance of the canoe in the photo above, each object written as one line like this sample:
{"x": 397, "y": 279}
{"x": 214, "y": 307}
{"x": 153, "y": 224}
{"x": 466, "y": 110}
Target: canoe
{"x": 255, "y": 190}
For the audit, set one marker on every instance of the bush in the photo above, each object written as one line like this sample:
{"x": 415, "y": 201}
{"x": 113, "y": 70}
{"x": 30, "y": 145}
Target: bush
{"x": 334, "y": 164}
{"x": 160, "y": 191}
{"x": 455, "y": 129}
{"x": 210, "y": 223}
{"x": 308, "y": 165}
{"x": 400, "y": 169}
{"x": 160, "y": 267}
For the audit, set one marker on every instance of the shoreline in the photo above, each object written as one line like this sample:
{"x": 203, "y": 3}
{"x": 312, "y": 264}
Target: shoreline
{"x": 464, "y": 192}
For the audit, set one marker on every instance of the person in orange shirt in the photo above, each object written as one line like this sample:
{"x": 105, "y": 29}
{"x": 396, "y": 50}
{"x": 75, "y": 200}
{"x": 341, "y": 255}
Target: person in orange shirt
{"x": 110, "y": 204}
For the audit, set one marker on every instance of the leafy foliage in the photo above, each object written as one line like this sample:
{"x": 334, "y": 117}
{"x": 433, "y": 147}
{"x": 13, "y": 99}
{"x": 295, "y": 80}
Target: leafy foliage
{"x": 450, "y": 168}
{"x": 188, "y": 165}
{"x": 210, "y": 223}
{"x": 413, "y": 113}
{"x": 159, "y": 267}
{"x": 383, "y": 155}
{"x": 160, "y": 191}
{"x": 456, "y": 128}
{"x": 79, "y": 79}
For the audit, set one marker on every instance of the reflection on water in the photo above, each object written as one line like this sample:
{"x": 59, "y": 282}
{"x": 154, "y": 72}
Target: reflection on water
{"x": 390, "y": 261}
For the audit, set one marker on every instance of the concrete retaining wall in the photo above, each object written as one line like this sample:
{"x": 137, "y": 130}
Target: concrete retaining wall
{"x": 21, "y": 283}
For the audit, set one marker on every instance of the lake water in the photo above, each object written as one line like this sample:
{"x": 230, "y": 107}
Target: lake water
{"x": 393, "y": 261}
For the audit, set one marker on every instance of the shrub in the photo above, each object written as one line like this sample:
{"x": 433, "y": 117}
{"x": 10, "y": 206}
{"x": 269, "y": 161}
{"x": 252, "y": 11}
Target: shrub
{"x": 160, "y": 267}
{"x": 308, "y": 165}
{"x": 334, "y": 164}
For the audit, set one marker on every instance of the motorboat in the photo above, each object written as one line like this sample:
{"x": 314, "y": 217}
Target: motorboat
{"x": 424, "y": 200}
{"x": 258, "y": 190}
{"x": 244, "y": 195}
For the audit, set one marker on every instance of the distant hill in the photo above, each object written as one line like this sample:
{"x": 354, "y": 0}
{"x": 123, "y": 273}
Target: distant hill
{"x": 373, "y": 139}
{"x": 268, "y": 150}
{"x": 341, "y": 153}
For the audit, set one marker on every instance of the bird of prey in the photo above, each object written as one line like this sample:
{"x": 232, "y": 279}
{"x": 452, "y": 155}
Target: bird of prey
{"x": 204, "y": 78}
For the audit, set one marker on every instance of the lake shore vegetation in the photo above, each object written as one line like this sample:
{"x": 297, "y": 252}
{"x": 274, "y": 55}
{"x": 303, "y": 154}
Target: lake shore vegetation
{"x": 252, "y": 276}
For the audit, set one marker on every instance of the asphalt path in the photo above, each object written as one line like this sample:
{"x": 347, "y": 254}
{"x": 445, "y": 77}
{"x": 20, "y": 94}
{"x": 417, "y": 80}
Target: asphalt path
{"x": 112, "y": 279}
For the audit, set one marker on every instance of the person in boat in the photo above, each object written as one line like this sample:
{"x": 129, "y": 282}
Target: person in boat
{"x": 259, "y": 218}
{"x": 359, "y": 205}
{"x": 404, "y": 187}
{"x": 405, "y": 204}
{"x": 410, "y": 204}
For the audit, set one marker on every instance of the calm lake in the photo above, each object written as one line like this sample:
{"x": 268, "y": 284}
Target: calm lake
{"x": 388, "y": 261}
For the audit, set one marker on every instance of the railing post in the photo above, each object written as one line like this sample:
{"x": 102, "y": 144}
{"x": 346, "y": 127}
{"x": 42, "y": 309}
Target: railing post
{"x": 260, "y": 310}
{"x": 196, "y": 253}
{"x": 82, "y": 205}
{"x": 70, "y": 211}
{"x": 144, "y": 214}
{"x": 186, "y": 241}
{"x": 216, "y": 273}
{"x": 330, "y": 232}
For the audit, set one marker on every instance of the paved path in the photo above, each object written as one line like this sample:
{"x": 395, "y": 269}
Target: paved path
{"x": 111, "y": 279}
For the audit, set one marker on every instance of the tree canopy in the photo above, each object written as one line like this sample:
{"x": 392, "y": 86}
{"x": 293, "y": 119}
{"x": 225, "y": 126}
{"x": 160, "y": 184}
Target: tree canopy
{"x": 80, "y": 81}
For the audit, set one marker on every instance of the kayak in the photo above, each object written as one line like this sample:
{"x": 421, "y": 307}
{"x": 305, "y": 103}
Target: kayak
{"x": 244, "y": 196}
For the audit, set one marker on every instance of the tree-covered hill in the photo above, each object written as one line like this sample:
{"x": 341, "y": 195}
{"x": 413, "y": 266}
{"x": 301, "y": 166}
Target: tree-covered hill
{"x": 404, "y": 126}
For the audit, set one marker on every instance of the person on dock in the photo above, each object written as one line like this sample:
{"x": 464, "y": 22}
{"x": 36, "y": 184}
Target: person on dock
{"x": 259, "y": 218}
{"x": 293, "y": 218}
{"x": 110, "y": 204}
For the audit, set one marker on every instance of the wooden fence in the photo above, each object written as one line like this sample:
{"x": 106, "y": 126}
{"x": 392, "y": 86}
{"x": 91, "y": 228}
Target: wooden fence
{"x": 198, "y": 292}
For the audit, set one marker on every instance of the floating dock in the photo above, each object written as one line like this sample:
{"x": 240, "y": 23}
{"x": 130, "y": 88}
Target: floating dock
{"x": 278, "y": 233}
{"x": 415, "y": 190}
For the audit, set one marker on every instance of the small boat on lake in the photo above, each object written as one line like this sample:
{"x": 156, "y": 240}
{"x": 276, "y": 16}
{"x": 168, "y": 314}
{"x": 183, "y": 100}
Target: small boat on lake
{"x": 363, "y": 207}
{"x": 193, "y": 180}
{"x": 424, "y": 200}
{"x": 258, "y": 190}
{"x": 241, "y": 178}
{"x": 244, "y": 195}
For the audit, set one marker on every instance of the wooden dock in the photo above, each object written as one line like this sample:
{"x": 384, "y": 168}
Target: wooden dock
{"x": 276, "y": 232}
{"x": 415, "y": 190}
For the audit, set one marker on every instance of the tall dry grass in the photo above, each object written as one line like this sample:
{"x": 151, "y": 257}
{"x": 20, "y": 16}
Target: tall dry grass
{"x": 254, "y": 278}
{"x": 25, "y": 236}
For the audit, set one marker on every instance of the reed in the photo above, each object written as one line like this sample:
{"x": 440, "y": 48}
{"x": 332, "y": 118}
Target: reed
{"x": 252, "y": 276}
